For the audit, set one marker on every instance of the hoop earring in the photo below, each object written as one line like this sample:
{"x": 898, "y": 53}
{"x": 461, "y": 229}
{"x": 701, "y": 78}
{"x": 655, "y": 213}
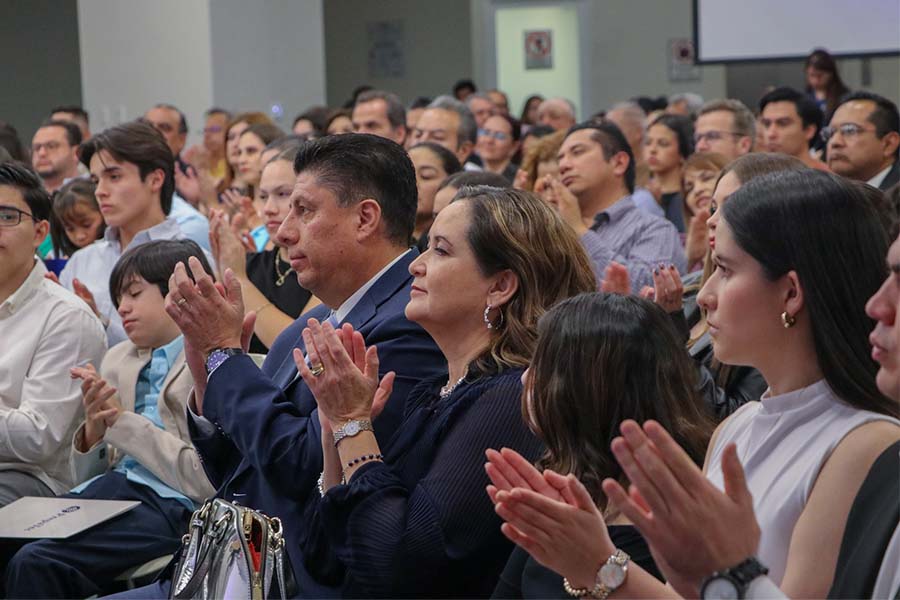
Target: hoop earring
{"x": 787, "y": 320}
{"x": 487, "y": 317}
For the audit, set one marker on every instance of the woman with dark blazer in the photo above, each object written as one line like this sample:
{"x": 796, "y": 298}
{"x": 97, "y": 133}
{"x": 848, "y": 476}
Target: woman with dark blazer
{"x": 412, "y": 519}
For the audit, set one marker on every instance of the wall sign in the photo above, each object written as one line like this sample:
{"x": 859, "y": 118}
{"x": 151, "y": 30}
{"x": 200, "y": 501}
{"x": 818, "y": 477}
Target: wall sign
{"x": 539, "y": 49}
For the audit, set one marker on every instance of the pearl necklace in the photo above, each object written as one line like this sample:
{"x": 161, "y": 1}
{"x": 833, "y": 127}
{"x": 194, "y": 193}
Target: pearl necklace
{"x": 448, "y": 389}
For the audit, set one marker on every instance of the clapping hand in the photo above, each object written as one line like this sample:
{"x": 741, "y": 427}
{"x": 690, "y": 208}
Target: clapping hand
{"x": 693, "y": 529}
{"x": 347, "y": 386}
{"x": 551, "y": 516}
{"x": 102, "y": 406}
{"x": 228, "y": 249}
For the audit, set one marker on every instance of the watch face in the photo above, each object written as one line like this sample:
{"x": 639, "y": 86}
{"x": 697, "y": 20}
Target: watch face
{"x": 612, "y": 575}
{"x": 720, "y": 588}
{"x": 351, "y": 428}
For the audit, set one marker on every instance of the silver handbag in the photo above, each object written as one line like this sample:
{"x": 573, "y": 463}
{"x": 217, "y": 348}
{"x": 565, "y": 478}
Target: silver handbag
{"x": 229, "y": 552}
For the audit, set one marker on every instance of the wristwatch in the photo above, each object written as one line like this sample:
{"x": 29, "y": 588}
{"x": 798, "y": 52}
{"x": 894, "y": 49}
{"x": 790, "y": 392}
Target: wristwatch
{"x": 733, "y": 582}
{"x": 351, "y": 428}
{"x": 610, "y": 577}
{"x": 215, "y": 358}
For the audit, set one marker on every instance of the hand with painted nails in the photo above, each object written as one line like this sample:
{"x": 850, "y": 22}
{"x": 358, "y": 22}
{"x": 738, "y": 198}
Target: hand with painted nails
{"x": 692, "y": 527}
{"x": 669, "y": 291}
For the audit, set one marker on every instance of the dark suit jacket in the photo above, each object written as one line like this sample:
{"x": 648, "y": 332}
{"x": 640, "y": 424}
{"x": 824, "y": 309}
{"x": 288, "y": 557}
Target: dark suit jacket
{"x": 266, "y": 452}
{"x": 892, "y": 178}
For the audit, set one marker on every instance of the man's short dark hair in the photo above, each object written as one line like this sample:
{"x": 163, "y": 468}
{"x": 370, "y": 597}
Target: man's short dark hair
{"x": 396, "y": 113}
{"x": 356, "y": 166}
{"x": 19, "y": 176}
{"x": 154, "y": 262}
{"x": 215, "y": 110}
{"x": 612, "y": 141}
{"x": 464, "y": 84}
{"x": 810, "y": 113}
{"x": 140, "y": 144}
{"x": 182, "y": 121}
{"x": 73, "y": 110}
{"x": 885, "y": 117}
{"x": 73, "y": 132}
{"x": 419, "y": 102}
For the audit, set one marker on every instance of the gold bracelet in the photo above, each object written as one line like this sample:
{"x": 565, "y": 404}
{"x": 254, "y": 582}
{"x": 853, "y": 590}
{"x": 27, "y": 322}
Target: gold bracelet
{"x": 263, "y": 307}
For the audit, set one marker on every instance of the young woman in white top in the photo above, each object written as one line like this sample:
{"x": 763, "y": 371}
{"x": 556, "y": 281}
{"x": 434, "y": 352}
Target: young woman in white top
{"x": 797, "y": 256}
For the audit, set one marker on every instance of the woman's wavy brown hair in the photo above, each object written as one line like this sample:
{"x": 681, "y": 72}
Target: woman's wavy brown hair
{"x": 515, "y": 230}
{"x": 600, "y": 359}
{"x": 544, "y": 150}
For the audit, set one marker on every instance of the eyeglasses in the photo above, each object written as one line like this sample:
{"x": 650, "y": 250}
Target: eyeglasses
{"x": 213, "y": 129}
{"x": 848, "y": 130}
{"x": 497, "y": 135}
{"x": 50, "y": 147}
{"x": 10, "y": 216}
{"x": 714, "y": 135}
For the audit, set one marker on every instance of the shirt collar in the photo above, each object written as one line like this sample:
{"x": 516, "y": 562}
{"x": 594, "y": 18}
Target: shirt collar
{"x": 27, "y": 289}
{"x": 170, "y": 351}
{"x": 613, "y": 213}
{"x": 880, "y": 176}
{"x": 161, "y": 231}
{"x": 344, "y": 309}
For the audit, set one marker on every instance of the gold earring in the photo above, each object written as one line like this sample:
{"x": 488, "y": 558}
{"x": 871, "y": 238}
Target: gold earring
{"x": 787, "y": 320}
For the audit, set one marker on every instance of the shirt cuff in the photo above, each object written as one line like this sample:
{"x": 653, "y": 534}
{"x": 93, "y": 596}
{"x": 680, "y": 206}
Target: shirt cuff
{"x": 204, "y": 425}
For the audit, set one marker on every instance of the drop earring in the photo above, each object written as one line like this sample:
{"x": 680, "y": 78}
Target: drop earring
{"x": 787, "y": 320}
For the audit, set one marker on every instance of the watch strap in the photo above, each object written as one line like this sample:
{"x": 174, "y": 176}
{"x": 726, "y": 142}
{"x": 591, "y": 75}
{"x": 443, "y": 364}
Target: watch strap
{"x": 218, "y": 356}
{"x": 351, "y": 428}
{"x": 742, "y": 574}
{"x": 600, "y": 590}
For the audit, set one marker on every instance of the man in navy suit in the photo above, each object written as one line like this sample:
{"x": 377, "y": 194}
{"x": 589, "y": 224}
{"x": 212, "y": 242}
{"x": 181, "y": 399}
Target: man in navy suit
{"x": 352, "y": 213}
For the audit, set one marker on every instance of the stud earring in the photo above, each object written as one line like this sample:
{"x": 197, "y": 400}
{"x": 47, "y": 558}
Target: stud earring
{"x": 787, "y": 320}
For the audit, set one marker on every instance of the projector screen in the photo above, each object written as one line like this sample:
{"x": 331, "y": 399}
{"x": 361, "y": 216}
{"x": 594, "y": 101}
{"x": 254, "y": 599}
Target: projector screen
{"x": 739, "y": 30}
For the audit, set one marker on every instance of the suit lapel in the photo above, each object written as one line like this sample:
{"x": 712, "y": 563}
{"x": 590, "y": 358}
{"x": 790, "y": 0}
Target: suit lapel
{"x": 386, "y": 286}
{"x": 128, "y": 376}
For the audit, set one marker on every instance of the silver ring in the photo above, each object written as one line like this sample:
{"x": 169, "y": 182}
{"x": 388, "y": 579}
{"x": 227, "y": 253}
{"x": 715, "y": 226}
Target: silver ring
{"x": 181, "y": 301}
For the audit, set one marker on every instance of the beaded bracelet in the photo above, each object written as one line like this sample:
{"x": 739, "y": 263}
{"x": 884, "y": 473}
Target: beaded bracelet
{"x": 364, "y": 458}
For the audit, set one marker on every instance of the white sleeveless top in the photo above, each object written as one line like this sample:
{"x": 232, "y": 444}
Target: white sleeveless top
{"x": 782, "y": 442}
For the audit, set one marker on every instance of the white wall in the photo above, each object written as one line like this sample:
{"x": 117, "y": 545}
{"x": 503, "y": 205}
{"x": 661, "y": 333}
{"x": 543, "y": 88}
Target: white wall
{"x": 437, "y": 48}
{"x": 563, "y": 79}
{"x": 199, "y": 53}
{"x": 136, "y": 53}
{"x": 268, "y": 52}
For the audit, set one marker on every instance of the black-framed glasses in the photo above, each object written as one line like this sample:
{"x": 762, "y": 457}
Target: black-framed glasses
{"x": 10, "y": 216}
{"x": 848, "y": 130}
{"x": 714, "y": 135}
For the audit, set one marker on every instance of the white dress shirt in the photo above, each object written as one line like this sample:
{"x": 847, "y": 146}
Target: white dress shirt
{"x": 92, "y": 266}
{"x": 44, "y": 331}
{"x": 880, "y": 176}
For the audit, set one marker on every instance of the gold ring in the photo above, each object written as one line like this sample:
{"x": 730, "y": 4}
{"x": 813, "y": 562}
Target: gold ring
{"x": 317, "y": 370}
{"x": 181, "y": 301}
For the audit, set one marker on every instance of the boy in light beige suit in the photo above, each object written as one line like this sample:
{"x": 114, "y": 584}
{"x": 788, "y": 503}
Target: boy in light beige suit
{"x": 133, "y": 444}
